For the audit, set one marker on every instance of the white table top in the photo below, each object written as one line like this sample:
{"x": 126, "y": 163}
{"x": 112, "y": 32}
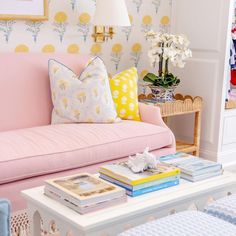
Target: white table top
{"x": 133, "y": 206}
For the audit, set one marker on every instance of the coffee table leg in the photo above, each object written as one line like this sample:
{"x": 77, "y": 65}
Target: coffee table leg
{"x": 49, "y": 222}
{"x": 35, "y": 222}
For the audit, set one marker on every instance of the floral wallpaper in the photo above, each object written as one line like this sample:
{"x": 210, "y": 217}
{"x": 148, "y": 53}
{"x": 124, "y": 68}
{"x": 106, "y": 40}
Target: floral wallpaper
{"x": 69, "y": 29}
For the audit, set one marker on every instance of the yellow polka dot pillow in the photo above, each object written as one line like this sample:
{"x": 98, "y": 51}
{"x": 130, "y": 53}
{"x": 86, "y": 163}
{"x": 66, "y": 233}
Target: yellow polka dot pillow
{"x": 85, "y": 98}
{"x": 125, "y": 94}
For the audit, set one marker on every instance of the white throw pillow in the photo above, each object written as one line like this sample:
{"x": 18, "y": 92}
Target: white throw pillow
{"x": 86, "y": 98}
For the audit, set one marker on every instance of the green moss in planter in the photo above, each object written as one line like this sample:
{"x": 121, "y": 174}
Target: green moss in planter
{"x": 165, "y": 81}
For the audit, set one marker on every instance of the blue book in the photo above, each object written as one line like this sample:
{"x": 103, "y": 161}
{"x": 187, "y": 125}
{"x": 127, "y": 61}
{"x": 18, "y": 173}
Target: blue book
{"x": 173, "y": 156}
{"x": 152, "y": 189}
{"x": 139, "y": 186}
{"x": 191, "y": 165}
{"x": 201, "y": 177}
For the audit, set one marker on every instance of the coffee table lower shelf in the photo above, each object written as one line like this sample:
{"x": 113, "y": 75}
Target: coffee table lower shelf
{"x": 114, "y": 220}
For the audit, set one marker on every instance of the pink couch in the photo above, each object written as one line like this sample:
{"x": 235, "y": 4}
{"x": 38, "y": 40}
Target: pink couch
{"x": 32, "y": 150}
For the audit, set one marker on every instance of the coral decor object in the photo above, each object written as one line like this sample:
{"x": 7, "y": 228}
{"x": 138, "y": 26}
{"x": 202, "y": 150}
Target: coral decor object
{"x": 141, "y": 162}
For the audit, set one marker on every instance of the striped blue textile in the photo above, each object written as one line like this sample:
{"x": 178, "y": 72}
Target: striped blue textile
{"x": 188, "y": 223}
{"x": 224, "y": 208}
{"x": 4, "y": 217}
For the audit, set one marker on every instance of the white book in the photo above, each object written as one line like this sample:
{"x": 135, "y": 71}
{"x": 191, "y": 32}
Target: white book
{"x": 191, "y": 165}
{"x": 85, "y": 209}
{"x": 84, "y": 189}
{"x": 201, "y": 177}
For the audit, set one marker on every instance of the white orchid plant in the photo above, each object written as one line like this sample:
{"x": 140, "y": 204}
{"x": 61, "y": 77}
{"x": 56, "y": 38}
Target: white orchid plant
{"x": 166, "y": 48}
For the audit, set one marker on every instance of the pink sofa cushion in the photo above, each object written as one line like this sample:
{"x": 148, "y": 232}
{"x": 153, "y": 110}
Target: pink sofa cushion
{"x": 25, "y": 97}
{"x": 42, "y": 150}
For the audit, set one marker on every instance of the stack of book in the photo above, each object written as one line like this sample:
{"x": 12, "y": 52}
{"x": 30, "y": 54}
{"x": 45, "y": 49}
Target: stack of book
{"x": 193, "y": 168}
{"x": 136, "y": 184}
{"x": 84, "y": 193}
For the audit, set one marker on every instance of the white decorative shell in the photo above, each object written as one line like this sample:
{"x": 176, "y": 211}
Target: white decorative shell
{"x": 142, "y": 162}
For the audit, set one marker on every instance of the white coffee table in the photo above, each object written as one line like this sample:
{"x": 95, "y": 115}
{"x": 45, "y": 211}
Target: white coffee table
{"x": 136, "y": 211}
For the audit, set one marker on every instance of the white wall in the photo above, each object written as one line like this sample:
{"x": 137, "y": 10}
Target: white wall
{"x": 207, "y": 24}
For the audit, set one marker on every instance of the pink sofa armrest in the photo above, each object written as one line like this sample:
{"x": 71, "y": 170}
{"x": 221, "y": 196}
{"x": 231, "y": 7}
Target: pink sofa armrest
{"x": 152, "y": 114}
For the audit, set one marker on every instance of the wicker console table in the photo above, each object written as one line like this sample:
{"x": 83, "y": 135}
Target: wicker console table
{"x": 183, "y": 105}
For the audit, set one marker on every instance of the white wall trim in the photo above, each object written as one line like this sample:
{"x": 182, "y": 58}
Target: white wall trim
{"x": 227, "y": 158}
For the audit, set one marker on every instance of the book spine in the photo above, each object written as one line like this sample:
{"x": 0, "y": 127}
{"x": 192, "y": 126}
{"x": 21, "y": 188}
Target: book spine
{"x": 83, "y": 202}
{"x": 115, "y": 176}
{"x": 156, "y": 177}
{"x": 140, "y": 186}
{"x": 156, "y": 182}
{"x": 116, "y": 182}
{"x": 87, "y": 209}
{"x": 152, "y": 189}
{"x": 62, "y": 201}
{"x": 201, "y": 177}
{"x": 204, "y": 170}
{"x": 139, "y": 181}
{"x": 62, "y": 194}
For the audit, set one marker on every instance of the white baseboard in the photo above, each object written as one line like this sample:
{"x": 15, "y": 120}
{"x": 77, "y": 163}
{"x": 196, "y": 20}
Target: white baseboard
{"x": 227, "y": 158}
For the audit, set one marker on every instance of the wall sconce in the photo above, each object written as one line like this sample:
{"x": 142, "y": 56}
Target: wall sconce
{"x": 109, "y": 13}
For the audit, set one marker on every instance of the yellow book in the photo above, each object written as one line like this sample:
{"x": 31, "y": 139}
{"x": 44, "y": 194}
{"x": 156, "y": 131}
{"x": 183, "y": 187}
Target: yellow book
{"x": 122, "y": 173}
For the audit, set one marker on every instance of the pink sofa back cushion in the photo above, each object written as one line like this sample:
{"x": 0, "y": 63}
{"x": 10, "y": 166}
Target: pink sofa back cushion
{"x": 25, "y": 97}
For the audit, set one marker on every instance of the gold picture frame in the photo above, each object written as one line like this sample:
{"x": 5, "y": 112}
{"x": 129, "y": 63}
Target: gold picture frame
{"x": 38, "y": 17}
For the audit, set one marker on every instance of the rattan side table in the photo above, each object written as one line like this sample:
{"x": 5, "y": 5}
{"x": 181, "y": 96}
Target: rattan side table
{"x": 180, "y": 106}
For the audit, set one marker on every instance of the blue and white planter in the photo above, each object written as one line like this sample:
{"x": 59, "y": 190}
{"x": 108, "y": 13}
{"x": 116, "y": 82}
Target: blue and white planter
{"x": 161, "y": 94}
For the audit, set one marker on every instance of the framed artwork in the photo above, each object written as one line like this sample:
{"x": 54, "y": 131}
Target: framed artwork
{"x": 23, "y": 9}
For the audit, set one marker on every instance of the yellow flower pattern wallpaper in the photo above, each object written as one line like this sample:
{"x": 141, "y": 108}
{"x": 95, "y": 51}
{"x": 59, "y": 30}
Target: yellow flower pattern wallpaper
{"x": 69, "y": 29}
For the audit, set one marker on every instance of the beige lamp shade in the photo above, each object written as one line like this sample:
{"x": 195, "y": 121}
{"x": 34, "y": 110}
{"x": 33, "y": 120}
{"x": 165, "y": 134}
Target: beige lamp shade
{"x": 111, "y": 13}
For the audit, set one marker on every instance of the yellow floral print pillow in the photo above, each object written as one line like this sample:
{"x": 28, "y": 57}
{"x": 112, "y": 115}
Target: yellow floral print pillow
{"x": 125, "y": 94}
{"x": 85, "y": 98}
